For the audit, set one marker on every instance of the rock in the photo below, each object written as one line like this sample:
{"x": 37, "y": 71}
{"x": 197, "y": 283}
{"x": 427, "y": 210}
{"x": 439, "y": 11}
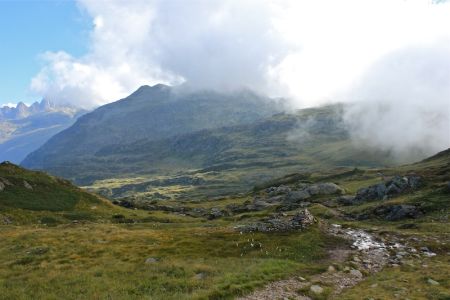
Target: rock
{"x": 316, "y": 289}
{"x": 301, "y": 278}
{"x": 277, "y": 190}
{"x": 331, "y": 269}
{"x": 6, "y": 220}
{"x": 326, "y": 188}
{"x": 151, "y": 260}
{"x": 356, "y": 273}
{"x": 297, "y": 196}
{"x": 374, "y": 192}
{"x": 200, "y": 276}
{"x": 432, "y": 282}
{"x": 27, "y": 185}
{"x": 278, "y": 222}
{"x": 2, "y": 186}
{"x": 346, "y": 200}
{"x": 216, "y": 213}
{"x": 393, "y": 189}
{"x": 415, "y": 182}
{"x": 398, "y": 212}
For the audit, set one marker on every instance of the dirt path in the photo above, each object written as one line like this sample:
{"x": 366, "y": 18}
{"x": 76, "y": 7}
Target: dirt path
{"x": 367, "y": 255}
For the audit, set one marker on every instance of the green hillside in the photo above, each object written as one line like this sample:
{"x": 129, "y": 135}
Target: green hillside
{"x": 35, "y": 197}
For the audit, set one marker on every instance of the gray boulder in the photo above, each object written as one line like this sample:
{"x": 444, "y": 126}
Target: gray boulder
{"x": 298, "y": 196}
{"x": 326, "y": 188}
{"x": 398, "y": 212}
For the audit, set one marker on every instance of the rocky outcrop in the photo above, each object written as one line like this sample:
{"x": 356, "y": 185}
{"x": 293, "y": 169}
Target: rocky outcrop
{"x": 398, "y": 212}
{"x": 280, "y": 223}
{"x": 308, "y": 191}
{"x": 395, "y": 186}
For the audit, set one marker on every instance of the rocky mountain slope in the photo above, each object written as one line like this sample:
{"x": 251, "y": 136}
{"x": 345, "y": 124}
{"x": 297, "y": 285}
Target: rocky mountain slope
{"x": 161, "y": 134}
{"x": 151, "y": 113}
{"x": 24, "y": 129}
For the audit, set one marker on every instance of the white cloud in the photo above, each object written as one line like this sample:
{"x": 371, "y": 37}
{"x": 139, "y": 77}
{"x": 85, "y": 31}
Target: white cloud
{"x": 313, "y": 51}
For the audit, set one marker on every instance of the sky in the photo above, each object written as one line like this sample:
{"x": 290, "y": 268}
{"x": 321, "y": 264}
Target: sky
{"x": 27, "y": 30}
{"x": 389, "y": 58}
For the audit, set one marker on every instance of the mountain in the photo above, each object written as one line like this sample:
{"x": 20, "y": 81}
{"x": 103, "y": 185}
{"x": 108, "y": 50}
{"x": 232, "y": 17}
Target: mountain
{"x": 151, "y": 113}
{"x": 163, "y": 141}
{"x": 24, "y": 129}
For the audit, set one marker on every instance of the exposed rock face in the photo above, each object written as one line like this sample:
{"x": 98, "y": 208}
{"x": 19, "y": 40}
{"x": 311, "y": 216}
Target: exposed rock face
{"x": 395, "y": 186}
{"x": 398, "y": 212}
{"x": 304, "y": 191}
{"x": 277, "y": 222}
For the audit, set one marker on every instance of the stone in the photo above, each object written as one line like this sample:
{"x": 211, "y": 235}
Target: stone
{"x": 27, "y": 185}
{"x": 151, "y": 260}
{"x": 432, "y": 282}
{"x": 398, "y": 212}
{"x": 331, "y": 269}
{"x": 346, "y": 200}
{"x": 200, "y": 276}
{"x": 277, "y": 190}
{"x": 298, "y": 196}
{"x": 316, "y": 289}
{"x": 2, "y": 186}
{"x": 356, "y": 273}
{"x": 327, "y": 188}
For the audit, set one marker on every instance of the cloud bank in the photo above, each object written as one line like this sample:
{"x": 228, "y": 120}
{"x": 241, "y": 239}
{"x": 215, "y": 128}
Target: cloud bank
{"x": 388, "y": 57}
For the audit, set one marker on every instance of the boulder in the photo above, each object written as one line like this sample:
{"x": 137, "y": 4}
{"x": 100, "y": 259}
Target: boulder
{"x": 281, "y": 223}
{"x": 27, "y": 185}
{"x": 316, "y": 289}
{"x": 346, "y": 200}
{"x": 398, "y": 212}
{"x": 277, "y": 190}
{"x": 297, "y": 196}
{"x": 215, "y": 213}
{"x": 374, "y": 192}
{"x": 326, "y": 188}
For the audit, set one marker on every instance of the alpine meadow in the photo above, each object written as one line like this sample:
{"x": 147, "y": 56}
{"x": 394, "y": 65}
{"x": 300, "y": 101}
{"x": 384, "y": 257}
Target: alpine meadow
{"x": 229, "y": 149}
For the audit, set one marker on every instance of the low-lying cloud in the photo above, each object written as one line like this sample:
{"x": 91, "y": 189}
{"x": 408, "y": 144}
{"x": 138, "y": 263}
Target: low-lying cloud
{"x": 389, "y": 58}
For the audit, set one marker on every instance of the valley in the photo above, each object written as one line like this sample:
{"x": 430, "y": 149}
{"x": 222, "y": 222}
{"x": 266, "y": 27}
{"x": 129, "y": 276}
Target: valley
{"x": 235, "y": 245}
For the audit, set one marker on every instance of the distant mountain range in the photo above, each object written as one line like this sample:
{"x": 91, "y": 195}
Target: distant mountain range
{"x": 24, "y": 128}
{"x": 160, "y": 131}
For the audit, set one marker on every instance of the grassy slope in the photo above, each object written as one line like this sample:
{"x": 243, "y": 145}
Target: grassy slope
{"x": 50, "y": 201}
{"x": 99, "y": 260}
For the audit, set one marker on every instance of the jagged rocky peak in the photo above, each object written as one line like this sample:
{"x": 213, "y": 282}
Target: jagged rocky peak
{"x": 22, "y": 110}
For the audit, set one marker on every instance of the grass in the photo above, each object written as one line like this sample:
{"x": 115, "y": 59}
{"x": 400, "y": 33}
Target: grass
{"x": 107, "y": 261}
{"x": 44, "y": 254}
